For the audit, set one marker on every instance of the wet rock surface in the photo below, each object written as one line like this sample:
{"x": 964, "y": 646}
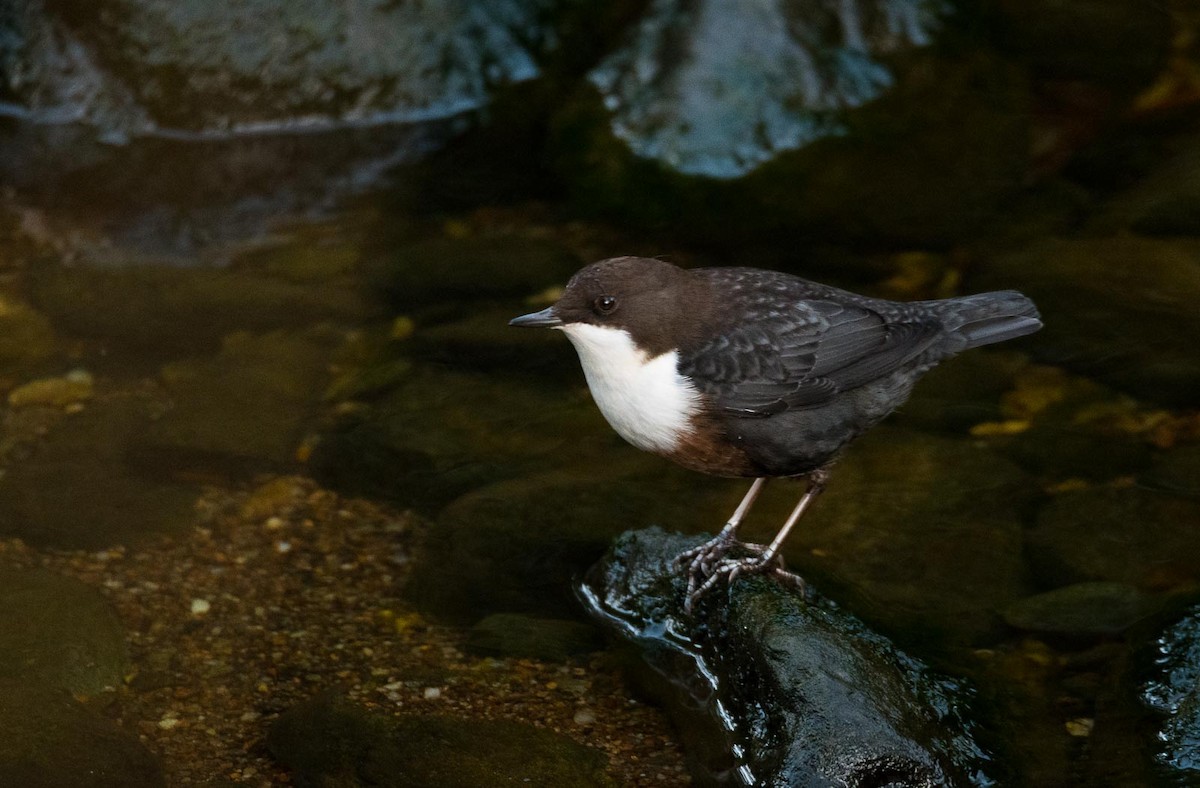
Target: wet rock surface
{"x": 332, "y": 741}
{"x": 59, "y": 633}
{"x": 1174, "y": 692}
{"x": 248, "y": 67}
{"x": 50, "y": 740}
{"x": 705, "y": 95}
{"x": 786, "y": 692}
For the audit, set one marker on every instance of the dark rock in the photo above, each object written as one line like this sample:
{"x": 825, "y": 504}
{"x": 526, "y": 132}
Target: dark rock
{"x": 1174, "y": 692}
{"x": 158, "y": 313}
{"x": 1165, "y": 201}
{"x": 1132, "y": 535}
{"x": 50, "y": 740}
{"x": 1176, "y": 471}
{"x": 330, "y": 741}
{"x": 514, "y": 635}
{"x": 77, "y": 488}
{"x": 920, "y": 532}
{"x": 59, "y": 632}
{"x": 928, "y": 163}
{"x": 783, "y": 691}
{"x": 1123, "y": 309}
{"x": 442, "y": 269}
{"x": 1119, "y": 44}
{"x": 517, "y": 545}
{"x": 1082, "y": 609}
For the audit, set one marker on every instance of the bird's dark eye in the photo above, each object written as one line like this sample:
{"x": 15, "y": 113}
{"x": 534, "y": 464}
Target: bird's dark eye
{"x": 605, "y": 305}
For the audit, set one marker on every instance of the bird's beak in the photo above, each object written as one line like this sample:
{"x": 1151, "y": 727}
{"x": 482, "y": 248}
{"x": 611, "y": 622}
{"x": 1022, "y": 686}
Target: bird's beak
{"x": 544, "y": 319}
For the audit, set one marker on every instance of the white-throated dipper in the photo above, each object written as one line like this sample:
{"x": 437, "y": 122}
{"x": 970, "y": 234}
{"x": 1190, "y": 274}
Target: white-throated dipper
{"x": 757, "y": 374}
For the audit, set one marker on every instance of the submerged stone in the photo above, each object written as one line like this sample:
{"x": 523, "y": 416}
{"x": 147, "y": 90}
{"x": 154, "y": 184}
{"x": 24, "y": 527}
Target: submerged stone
{"x": 59, "y": 632}
{"x": 430, "y": 434}
{"x": 152, "y": 312}
{"x": 1176, "y": 471}
{"x": 77, "y": 489}
{"x": 1124, "y": 309}
{"x": 515, "y": 635}
{"x": 921, "y": 532}
{"x": 26, "y": 336}
{"x": 769, "y": 689}
{"x": 250, "y": 403}
{"x": 50, "y": 740}
{"x": 442, "y": 269}
{"x": 960, "y": 393}
{"x": 1137, "y": 536}
{"x": 1174, "y": 692}
{"x": 330, "y": 740}
{"x": 517, "y": 545}
{"x": 1081, "y": 609}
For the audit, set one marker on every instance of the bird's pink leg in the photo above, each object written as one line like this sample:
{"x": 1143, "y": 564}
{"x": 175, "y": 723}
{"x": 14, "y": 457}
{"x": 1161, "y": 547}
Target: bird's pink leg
{"x": 768, "y": 558}
{"x": 701, "y": 559}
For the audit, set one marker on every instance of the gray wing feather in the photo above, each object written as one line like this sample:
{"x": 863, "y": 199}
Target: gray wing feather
{"x": 801, "y": 356}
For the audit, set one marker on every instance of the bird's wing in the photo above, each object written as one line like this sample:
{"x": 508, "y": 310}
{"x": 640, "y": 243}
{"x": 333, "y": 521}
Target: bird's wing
{"x": 781, "y": 359}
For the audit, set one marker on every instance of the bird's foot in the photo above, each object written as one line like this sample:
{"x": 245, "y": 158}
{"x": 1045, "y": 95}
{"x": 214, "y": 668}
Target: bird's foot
{"x": 701, "y": 559}
{"x": 730, "y": 569}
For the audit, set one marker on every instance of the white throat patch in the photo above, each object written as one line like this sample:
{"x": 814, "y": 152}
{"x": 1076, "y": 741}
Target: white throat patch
{"x": 645, "y": 399}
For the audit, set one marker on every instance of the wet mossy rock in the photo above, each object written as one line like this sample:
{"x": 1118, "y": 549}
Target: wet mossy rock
{"x": 59, "y": 632}
{"x": 1142, "y": 537}
{"x": 442, "y": 269}
{"x": 1122, "y": 309}
{"x": 332, "y": 742}
{"x": 792, "y": 692}
{"x": 50, "y": 740}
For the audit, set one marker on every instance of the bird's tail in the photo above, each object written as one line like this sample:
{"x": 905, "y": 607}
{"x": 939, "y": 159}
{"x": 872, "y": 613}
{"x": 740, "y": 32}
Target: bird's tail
{"x": 989, "y": 317}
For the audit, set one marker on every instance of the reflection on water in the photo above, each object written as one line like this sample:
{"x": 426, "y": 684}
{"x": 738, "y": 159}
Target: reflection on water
{"x": 263, "y": 403}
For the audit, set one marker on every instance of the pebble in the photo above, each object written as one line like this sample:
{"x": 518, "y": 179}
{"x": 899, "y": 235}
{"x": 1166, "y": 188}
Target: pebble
{"x": 200, "y": 606}
{"x": 585, "y": 717}
{"x": 432, "y": 693}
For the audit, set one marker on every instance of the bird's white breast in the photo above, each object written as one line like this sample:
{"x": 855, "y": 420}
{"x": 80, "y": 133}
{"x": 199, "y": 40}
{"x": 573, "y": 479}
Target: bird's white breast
{"x": 645, "y": 399}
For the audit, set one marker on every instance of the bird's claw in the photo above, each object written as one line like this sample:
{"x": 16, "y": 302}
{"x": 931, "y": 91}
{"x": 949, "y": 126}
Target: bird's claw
{"x": 733, "y": 568}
